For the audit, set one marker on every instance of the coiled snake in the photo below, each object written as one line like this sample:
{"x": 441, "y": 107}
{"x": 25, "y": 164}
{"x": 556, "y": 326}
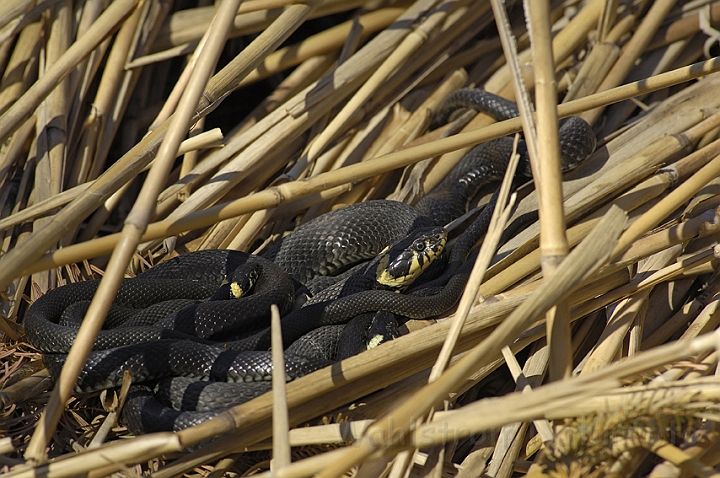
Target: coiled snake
{"x": 177, "y": 342}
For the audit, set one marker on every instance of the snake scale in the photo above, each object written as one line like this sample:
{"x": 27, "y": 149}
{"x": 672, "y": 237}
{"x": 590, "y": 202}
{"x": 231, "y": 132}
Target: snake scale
{"x": 191, "y": 351}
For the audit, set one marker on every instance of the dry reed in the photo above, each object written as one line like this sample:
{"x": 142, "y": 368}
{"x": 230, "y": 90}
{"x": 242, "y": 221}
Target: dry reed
{"x": 604, "y": 310}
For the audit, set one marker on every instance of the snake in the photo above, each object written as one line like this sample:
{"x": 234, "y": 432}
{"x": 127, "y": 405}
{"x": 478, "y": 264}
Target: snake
{"x": 183, "y": 345}
{"x": 225, "y": 340}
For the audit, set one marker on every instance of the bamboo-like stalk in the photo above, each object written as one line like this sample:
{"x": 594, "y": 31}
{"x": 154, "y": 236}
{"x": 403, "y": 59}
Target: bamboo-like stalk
{"x": 81, "y": 83}
{"x": 12, "y": 9}
{"x": 289, "y": 87}
{"x": 526, "y": 379}
{"x": 652, "y": 64}
{"x": 599, "y": 61}
{"x": 461, "y": 424}
{"x": 91, "y": 155}
{"x": 13, "y": 26}
{"x": 640, "y": 283}
{"x": 683, "y": 27}
{"x": 52, "y": 124}
{"x": 632, "y": 50}
{"x": 681, "y": 318}
{"x": 495, "y": 229}
{"x": 150, "y": 19}
{"x": 301, "y": 111}
{"x": 621, "y": 156}
{"x": 615, "y": 175}
{"x": 185, "y": 27}
{"x": 123, "y": 170}
{"x": 409, "y": 44}
{"x": 678, "y": 196}
{"x": 545, "y": 163}
{"x": 281, "y": 440}
{"x": 179, "y": 88}
{"x": 322, "y": 43}
{"x": 623, "y": 315}
{"x": 207, "y": 139}
{"x": 519, "y": 267}
{"x": 19, "y": 72}
{"x": 14, "y": 150}
{"x": 25, "y": 105}
{"x": 453, "y": 82}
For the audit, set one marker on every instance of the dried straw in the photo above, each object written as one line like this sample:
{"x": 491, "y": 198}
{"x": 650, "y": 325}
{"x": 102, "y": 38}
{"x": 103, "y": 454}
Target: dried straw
{"x": 80, "y": 83}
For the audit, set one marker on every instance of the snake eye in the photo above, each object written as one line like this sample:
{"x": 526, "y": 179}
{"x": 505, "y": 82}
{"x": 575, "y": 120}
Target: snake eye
{"x": 419, "y": 246}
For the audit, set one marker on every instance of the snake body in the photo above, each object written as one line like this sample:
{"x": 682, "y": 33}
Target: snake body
{"x": 196, "y": 278}
{"x": 327, "y": 245}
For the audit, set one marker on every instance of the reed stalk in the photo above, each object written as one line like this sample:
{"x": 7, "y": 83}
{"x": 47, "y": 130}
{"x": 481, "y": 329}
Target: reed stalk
{"x": 135, "y": 223}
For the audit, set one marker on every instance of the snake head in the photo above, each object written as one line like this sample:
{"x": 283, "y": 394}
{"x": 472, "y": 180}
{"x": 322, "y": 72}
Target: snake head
{"x": 239, "y": 282}
{"x": 401, "y": 263}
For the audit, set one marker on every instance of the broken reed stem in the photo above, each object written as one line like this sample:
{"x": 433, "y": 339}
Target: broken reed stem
{"x": 622, "y": 314}
{"x": 591, "y": 395}
{"x": 640, "y": 283}
{"x": 501, "y": 214}
{"x": 545, "y": 155}
{"x": 186, "y": 27}
{"x": 516, "y": 267}
{"x": 135, "y": 224}
{"x": 178, "y": 90}
{"x": 101, "y": 122}
{"x": 576, "y": 397}
{"x": 53, "y": 113}
{"x": 291, "y": 191}
{"x": 298, "y": 114}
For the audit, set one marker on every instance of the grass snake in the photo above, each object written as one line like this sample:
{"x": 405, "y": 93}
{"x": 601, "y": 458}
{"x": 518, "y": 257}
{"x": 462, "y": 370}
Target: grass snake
{"x": 198, "y": 348}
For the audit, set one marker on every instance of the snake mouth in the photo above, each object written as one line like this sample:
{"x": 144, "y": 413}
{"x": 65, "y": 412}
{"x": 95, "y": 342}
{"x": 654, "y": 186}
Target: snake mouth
{"x": 404, "y": 261}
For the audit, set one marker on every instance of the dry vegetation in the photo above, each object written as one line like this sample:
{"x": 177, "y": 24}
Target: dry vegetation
{"x": 618, "y": 350}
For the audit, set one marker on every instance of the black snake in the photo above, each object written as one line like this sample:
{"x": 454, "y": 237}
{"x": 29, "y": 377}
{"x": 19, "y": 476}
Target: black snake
{"x": 184, "y": 347}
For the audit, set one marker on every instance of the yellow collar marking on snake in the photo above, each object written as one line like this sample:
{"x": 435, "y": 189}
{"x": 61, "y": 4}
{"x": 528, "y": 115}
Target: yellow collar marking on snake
{"x": 237, "y": 290}
{"x": 240, "y": 287}
{"x": 411, "y": 262}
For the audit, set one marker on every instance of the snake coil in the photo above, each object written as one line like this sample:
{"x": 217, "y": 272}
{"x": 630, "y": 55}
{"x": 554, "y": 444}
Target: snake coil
{"x": 170, "y": 311}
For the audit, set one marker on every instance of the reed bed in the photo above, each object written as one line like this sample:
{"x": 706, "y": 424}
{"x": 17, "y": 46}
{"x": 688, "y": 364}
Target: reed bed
{"x": 132, "y": 131}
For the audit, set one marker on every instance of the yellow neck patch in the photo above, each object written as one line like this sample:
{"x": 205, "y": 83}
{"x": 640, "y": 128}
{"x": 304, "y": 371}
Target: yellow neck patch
{"x": 409, "y": 263}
